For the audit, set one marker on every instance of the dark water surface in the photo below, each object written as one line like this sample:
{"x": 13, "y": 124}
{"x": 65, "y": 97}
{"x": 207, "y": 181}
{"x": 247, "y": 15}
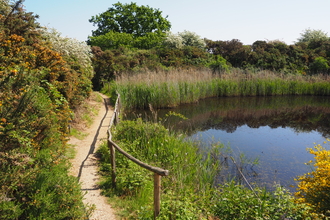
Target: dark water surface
{"x": 274, "y": 131}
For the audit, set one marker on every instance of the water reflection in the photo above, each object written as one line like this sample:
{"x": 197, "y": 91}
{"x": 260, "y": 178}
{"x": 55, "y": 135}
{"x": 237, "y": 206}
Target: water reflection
{"x": 275, "y": 130}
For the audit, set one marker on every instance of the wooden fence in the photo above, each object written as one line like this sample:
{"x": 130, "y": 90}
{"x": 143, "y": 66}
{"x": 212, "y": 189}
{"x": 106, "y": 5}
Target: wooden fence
{"x": 158, "y": 172}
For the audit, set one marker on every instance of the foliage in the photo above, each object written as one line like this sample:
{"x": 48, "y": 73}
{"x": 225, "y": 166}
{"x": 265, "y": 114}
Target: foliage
{"x": 234, "y": 201}
{"x": 173, "y": 40}
{"x": 192, "y": 39}
{"x": 319, "y": 65}
{"x": 4, "y": 7}
{"x": 111, "y": 63}
{"x": 185, "y": 38}
{"x": 115, "y": 40}
{"x": 219, "y": 65}
{"x": 130, "y": 19}
{"x": 271, "y": 55}
{"x": 38, "y": 87}
{"x": 111, "y": 40}
{"x": 186, "y": 57}
{"x": 129, "y": 25}
{"x": 313, "y": 188}
{"x": 310, "y": 35}
{"x": 73, "y": 50}
{"x": 233, "y": 51}
{"x": 77, "y": 55}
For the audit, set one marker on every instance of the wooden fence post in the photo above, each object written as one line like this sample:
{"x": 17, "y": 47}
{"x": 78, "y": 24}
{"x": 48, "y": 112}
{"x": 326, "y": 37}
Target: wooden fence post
{"x": 158, "y": 172}
{"x": 157, "y": 184}
{"x": 113, "y": 163}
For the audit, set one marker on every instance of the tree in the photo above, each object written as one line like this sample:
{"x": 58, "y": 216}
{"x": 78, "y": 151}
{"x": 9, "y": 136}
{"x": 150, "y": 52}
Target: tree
{"x": 310, "y": 35}
{"x": 131, "y": 19}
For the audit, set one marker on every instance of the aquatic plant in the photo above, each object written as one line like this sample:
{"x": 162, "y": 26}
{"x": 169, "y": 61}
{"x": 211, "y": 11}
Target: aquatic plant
{"x": 169, "y": 89}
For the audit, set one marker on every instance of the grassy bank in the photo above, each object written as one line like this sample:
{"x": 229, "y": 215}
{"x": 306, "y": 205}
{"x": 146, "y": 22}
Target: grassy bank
{"x": 169, "y": 89}
{"x": 190, "y": 191}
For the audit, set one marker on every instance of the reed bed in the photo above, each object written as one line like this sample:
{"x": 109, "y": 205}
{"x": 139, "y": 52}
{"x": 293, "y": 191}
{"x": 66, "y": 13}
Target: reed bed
{"x": 170, "y": 89}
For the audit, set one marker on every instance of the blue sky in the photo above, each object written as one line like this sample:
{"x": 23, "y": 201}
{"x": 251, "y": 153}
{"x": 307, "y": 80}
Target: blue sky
{"x": 246, "y": 20}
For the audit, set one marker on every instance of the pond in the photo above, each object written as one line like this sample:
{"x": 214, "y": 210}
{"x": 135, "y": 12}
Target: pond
{"x": 267, "y": 137}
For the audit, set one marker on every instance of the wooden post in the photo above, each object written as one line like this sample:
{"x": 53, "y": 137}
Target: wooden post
{"x": 157, "y": 181}
{"x": 113, "y": 163}
{"x": 115, "y": 118}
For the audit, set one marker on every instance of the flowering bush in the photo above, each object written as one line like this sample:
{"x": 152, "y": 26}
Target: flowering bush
{"x": 192, "y": 39}
{"x": 73, "y": 49}
{"x": 38, "y": 87}
{"x": 314, "y": 187}
{"x": 181, "y": 39}
{"x": 173, "y": 40}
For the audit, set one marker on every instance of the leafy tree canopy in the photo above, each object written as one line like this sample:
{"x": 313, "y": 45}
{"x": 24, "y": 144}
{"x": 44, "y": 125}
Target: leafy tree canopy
{"x": 310, "y": 35}
{"x": 131, "y": 19}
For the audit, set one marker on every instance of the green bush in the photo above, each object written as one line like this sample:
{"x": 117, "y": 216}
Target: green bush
{"x": 219, "y": 65}
{"x": 319, "y": 65}
{"x": 233, "y": 201}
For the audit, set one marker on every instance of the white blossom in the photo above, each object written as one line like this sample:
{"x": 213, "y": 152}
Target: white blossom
{"x": 79, "y": 51}
{"x": 185, "y": 38}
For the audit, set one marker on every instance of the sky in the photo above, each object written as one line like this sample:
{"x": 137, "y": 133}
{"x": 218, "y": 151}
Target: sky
{"x": 245, "y": 20}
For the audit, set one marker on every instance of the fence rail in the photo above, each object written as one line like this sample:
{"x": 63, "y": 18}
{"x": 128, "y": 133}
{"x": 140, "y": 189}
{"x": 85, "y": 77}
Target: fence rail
{"x": 158, "y": 172}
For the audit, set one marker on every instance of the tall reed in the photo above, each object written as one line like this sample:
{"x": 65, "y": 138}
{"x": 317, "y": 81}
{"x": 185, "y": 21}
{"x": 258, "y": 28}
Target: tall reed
{"x": 170, "y": 89}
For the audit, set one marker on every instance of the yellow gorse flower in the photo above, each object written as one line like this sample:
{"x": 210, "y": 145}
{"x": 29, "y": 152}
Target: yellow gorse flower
{"x": 314, "y": 187}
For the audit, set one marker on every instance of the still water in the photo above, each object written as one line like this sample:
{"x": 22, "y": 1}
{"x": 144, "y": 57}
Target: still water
{"x": 267, "y": 136}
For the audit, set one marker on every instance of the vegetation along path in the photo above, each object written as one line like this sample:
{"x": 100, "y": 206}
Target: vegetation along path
{"x": 84, "y": 165}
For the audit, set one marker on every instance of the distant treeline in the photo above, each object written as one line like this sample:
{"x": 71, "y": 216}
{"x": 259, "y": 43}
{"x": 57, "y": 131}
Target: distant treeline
{"x": 303, "y": 57}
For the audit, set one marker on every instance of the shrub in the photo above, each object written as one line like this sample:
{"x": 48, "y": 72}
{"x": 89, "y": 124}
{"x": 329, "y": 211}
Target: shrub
{"x": 319, "y": 65}
{"x": 173, "y": 41}
{"x": 192, "y": 39}
{"x": 219, "y": 65}
{"x": 37, "y": 87}
{"x": 313, "y": 188}
{"x": 234, "y": 201}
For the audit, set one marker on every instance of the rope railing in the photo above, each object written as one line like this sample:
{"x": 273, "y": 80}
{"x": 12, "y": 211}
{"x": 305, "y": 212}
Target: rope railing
{"x": 158, "y": 172}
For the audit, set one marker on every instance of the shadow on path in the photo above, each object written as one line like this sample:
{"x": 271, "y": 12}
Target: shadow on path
{"x": 92, "y": 147}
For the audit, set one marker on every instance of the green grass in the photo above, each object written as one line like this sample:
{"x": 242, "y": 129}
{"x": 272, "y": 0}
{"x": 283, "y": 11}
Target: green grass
{"x": 84, "y": 116}
{"x": 170, "y": 90}
{"x": 80, "y": 135}
{"x": 70, "y": 152}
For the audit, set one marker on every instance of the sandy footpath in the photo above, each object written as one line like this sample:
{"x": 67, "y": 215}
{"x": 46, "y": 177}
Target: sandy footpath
{"x": 84, "y": 165}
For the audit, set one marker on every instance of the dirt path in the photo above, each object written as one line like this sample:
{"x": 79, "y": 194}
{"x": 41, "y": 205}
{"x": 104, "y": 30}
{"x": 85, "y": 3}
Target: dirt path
{"x": 84, "y": 165}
